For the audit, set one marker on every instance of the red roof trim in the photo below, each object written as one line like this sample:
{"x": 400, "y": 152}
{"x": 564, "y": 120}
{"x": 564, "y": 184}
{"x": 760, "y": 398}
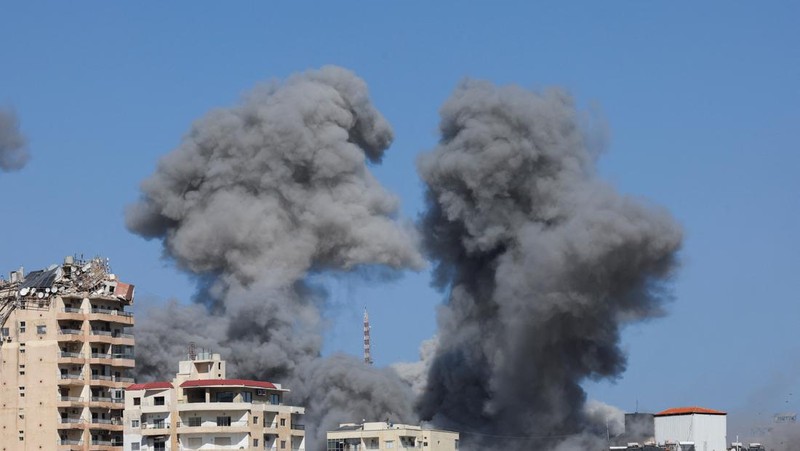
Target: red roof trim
{"x": 150, "y": 386}
{"x": 229, "y": 382}
{"x": 689, "y": 411}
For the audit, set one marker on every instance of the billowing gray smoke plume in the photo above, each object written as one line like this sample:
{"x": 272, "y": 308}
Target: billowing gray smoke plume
{"x": 13, "y": 151}
{"x": 255, "y": 199}
{"x": 542, "y": 264}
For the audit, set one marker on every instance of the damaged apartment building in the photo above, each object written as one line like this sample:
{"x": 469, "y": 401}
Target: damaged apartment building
{"x": 67, "y": 353}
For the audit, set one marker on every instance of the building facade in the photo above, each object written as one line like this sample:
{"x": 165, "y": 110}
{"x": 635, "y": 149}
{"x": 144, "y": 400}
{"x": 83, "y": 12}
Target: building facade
{"x": 695, "y": 428}
{"x": 66, "y": 355}
{"x": 386, "y": 435}
{"x": 203, "y": 410}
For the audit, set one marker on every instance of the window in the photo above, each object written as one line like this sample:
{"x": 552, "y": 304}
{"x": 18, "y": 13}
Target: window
{"x": 222, "y": 441}
{"x": 223, "y": 421}
{"x": 22, "y": 327}
{"x": 158, "y": 400}
{"x": 195, "y": 421}
{"x": 274, "y": 398}
{"x": 158, "y": 423}
{"x": 389, "y": 444}
{"x": 134, "y": 423}
{"x": 247, "y": 396}
{"x": 255, "y": 420}
{"x": 195, "y": 442}
{"x": 225, "y": 396}
{"x": 283, "y": 421}
{"x": 456, "y": 443}
{"x": 255, "y": 443}
{"x": 4, "y": 331}
{"x": 137, "y": 401}
{"x": 134, "y": 446}
{"x": 41, "y": 330}
{"x": 283, "y": 444}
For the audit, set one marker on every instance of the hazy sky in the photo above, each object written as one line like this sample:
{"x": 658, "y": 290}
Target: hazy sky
{"x": 702, "y": 104}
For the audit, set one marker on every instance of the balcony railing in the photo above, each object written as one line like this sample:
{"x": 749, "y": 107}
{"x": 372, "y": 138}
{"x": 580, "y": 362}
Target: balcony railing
{"x": 299, "y": 427}
{"x": 67, "y": 442}
{"x": 106, "y": 333}
{"x": 71, "y": 376}
{"x": 111, "y": 312}
{"x": 70, "y": 332}
{"x": 155, "y": 425}
{"x": 116, "y": 421}
{"x": 71, "y": 399}
{"x": 71, "y": 310}
{"x": 106, "y": 442}
{"x": 100, "y": 399}
{"x": 71, "y": 355}
{"x": 213, "y": 424}
{"x": 71, "y": 420}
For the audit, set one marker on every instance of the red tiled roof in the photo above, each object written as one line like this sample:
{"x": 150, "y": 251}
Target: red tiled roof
{"x": 689, "y": 411}
{"x": 228, "y": 382}
{"x": 151, "y": 386}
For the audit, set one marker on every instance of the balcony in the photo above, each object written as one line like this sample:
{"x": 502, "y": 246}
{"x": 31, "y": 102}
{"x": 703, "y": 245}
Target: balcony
{"x": 106, "y": 445}
{"x": 112, "y": 316}
{"x": 151, "y": 429}
{"x": 71, "y": 357}
{"x": 110, "y": 381}
{"x": 72, "y": 313}
{"x": 70, "y": 335}
{"x": 71, "y": 423}
{"x": 107, "y": 424}
{"x": 71, "y": 379}
{"x": 209, "y": 427}
{"x": 211, "y": 406}
{"x": 106, "y": 336}
{"x": 70, "y": 401}
{"x": 102, "y": 401}
{"x": 119, "y": 360}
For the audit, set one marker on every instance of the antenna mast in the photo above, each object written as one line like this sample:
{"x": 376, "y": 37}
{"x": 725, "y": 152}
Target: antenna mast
{"x": 367, "y": 349}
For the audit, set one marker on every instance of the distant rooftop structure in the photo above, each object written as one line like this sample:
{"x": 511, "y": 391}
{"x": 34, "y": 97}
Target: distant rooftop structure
{"x": 388, "y": 435}
{"x": 689, "y": 411}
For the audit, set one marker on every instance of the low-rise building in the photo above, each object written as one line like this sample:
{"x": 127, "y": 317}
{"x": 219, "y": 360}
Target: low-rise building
{"x": 386, "y": 435}
{"x": 201, "y": 409}
{"x": 695, "y": 428}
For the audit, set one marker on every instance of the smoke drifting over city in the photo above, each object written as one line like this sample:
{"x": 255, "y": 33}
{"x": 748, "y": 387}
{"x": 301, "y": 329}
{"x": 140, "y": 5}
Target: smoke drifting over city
{"x": 13, "y": 151}
{"x": 257, "y": 198}
{"x": 541, "y": 262}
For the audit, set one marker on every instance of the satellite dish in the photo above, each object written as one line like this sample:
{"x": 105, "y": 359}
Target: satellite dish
{"x": 47, "y": 290}
{"x": 40, "y": 295}
{"x": 23, "y": 292}
{"x": 33, "y": 290}
{"x": 54, "y": 290}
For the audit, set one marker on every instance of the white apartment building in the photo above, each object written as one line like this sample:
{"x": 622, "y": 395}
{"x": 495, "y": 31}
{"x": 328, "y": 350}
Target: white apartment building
{"x": 389, "y": 436}
{"x": 203, "y": 410}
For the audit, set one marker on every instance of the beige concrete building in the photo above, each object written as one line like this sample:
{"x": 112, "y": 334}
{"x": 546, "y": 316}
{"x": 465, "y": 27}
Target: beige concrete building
{"x": 203, "y": 410}
{"x": 66, "y": 355}
{"x": 389, "y": 436}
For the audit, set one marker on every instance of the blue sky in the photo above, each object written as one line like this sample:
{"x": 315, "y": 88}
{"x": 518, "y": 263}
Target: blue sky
{"x": 701, "y": 102}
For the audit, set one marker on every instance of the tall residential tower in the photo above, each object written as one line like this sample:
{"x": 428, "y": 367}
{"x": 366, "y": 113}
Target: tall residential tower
{"x": 66, "y": 353}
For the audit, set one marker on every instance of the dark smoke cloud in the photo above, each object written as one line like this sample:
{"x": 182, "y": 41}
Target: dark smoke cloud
{"x": 542, "y": 264}
{"x": 257, "y": 198}
{"x": 13, "y": 151}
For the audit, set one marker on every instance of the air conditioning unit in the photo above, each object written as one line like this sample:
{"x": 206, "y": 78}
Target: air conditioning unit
{"x": 261, "y": 392}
